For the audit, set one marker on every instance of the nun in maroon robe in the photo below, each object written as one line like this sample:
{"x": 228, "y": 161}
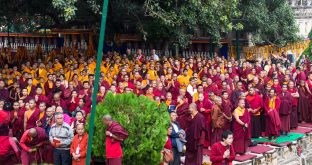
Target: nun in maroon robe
{"x": 204, "y": 106}
{"x": 285, "y": 110}
{"x": 272, "y": 120}
{"x": 195, "y": 135}
{"x": 241, "y": 128}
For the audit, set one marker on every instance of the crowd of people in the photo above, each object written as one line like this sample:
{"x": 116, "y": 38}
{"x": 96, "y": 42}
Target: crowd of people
{"x": 44, "y": 104}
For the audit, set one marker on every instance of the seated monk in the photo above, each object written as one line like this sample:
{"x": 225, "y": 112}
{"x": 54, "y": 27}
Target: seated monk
{"x": 32, "y": 143}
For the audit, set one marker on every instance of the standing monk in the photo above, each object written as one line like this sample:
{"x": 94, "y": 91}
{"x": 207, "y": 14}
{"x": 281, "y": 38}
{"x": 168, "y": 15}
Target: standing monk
{"x": 285, "y": 109}
{"x": 195, "y": 135}
{"x": 272, "y": 120}
{"x": 294, "y": 100}
{"x": 218, "y": 119}
{"x": 255, "y": 101}
{"x": 31, "y": 116}
{"x": 303, "y": 105}
{"x": 115, "y": 134}
{"x": 204, "y": 106}
{"x": 241, "y": 128}
{"x": 32, "y": 143}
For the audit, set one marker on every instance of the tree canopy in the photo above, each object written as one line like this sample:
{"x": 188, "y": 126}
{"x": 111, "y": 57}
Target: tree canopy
{"x": 269, "y": 21}
{"x": 175, "y": 21}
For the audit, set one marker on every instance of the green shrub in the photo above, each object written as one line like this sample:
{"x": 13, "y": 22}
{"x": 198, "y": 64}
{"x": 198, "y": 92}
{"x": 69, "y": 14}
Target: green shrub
{"x": 146, "y": 122}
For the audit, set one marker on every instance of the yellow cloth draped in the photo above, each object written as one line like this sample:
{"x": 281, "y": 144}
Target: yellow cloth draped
{"x": 58, "y": 66}
{"x": 153, "y": 74}
{"x": 272, "y": 103}
{"x": 240, "y": 111}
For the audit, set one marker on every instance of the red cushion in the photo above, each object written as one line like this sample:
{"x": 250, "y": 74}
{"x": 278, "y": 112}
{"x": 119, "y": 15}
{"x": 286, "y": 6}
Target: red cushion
{"x": 245, "y": 157}
{"x": 260, "y": 149}
{"x": 305, "y": 125}
{"x": 302, "y": 130}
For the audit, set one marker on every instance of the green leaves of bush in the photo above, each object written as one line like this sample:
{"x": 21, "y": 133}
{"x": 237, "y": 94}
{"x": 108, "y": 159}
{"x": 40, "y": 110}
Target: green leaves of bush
{"x": 146, "y": 122}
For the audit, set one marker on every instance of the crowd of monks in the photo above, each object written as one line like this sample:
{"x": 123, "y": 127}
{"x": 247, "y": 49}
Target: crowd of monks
{"x": 253, "y": 99}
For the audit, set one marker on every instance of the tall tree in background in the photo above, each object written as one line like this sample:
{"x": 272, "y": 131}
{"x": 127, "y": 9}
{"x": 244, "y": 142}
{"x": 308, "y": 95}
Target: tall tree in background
{"x": 172, "y": 21}
{"x": 270, "y": 21}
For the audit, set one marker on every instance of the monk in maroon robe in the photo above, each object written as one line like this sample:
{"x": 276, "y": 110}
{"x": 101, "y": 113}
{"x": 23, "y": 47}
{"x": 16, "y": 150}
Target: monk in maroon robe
{"x": 227, "y": 109}
{"x": 272, "y": 120}
{"x": 32, "y": 143}
{"x": 255, "y": 101}
{"x": 17, "y": 120}
{"x": 241, "y": 128}
{"x": 294, "y": 101}
{"x": 303, "y": 104}
{"x": 182, "y": 112}
{"x": 285, "y": 109}
{"x": 8, "y": 149}
{"x": 195, "y": 135}
{"x": 115, "y": 134}
{"x": 31, "y": 116}
{"x": 217, "y": 121}
{"x": 204, "y": 106}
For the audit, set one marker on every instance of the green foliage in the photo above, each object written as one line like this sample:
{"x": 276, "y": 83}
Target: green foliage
{"x": 184, "y": 19}
{"x": 145, "y": 121}
{"x": 269, "y": 21}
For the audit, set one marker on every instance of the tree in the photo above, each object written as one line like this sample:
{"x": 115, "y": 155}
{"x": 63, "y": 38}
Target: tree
{"x": 269, "y": 21}
{"x": 146, "y": 122}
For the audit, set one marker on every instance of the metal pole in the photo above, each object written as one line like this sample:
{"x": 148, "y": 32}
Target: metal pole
{"x": 96, "y": 81}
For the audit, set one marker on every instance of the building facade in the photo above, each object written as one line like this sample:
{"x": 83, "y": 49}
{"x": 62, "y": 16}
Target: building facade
{"x": 303, "y": 15}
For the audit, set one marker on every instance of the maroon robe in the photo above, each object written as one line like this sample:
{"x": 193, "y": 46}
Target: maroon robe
{"x": 255, "y": 102}
{"x": 4, "y": 94}
{"x": 294, "y": 109}
{"x": 304, "y": 105}
{"x": 285, "y": 110}
{"x": 41, "y": 98}
{"x": 183, "y": 115}
{"x": 27, "y": 144}
{"x": 217, "y": 123}
{"x": 7, "y": 154}
{"x": 272, "y": 120}
{"x": 138, "y": 92}
{"x": 207, "y": 105}
{"x": 195, "y": 135}
{"x": 31, "y": 122}
{"x": 17, "y": 125}
{"x": 48, "y": 90}
{"x": 227, "y": 109}
{"x": 241, "y": 135}
{"x": 217, "y": 152}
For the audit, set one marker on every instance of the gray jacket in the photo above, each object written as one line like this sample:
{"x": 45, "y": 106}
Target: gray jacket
{"x": 64, "y": 134}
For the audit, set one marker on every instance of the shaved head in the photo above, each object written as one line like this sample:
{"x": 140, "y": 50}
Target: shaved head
{"x": 32, "y": 132}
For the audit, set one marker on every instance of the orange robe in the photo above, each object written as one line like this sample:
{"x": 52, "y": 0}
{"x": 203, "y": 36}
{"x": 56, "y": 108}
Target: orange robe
{"x": 82, "y": 151}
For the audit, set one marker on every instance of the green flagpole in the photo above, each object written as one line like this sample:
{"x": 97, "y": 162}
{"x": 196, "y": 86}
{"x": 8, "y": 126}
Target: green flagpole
{"x": 96, "y": 81}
